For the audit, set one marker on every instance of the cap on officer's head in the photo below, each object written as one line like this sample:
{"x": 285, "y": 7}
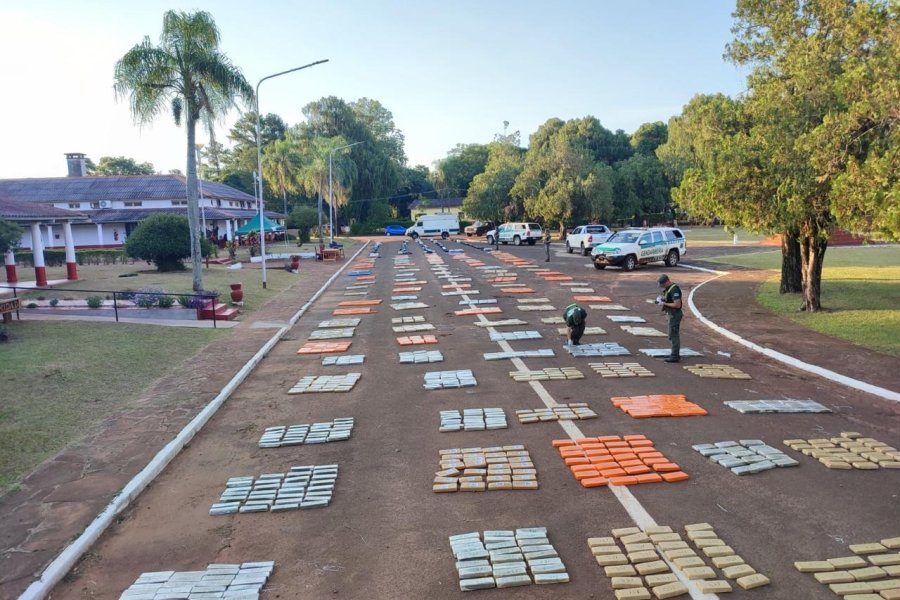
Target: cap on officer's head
{"x": 663, "y": 279}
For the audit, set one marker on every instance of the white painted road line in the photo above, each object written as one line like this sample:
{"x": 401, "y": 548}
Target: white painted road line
{"x": 632, "y": 506}
{"x": 780, "y": 356}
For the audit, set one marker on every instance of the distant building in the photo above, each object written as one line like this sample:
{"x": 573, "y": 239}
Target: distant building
{"x": 436, "y": 206}
{"x": 107, "y": 209}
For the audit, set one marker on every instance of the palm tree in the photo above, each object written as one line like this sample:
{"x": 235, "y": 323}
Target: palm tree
{"x": 313, "y": 176}
{"x": 281, "y": 166}
{"x": 188, "y": 74}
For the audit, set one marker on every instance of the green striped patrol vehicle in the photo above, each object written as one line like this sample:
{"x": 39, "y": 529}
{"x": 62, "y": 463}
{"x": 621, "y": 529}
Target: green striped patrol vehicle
{"x": 630, "y": 247}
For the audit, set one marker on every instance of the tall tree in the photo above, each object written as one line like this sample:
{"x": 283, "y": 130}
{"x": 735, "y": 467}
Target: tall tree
{"x": 567, "y": 174}
{"x": 120, "y": 165}
{"x": 649, "y": 137}
{"x": 453, "y": 175}
{"x": 242, "y": 156}
{"x": 10, "y": 235}
{"x": 188, "y": 74}
{"x": 489, "y": 195}
{"x": 823, "y": 97}
{"x": 282, "y": 163}
{"x": 378, "y": 159}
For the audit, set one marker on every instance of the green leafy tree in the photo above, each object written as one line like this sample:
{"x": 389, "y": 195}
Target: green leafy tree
{"x": 304, "y": 218}
{"x": 649, "y": 137}
{"x": 242, "y": 156}
{"x": 188, "y": 74}
{"x": 453, "y": 175}
{"x": 415, "y": 184}
{"x": 823, "y": 97}
{"x": 120, "y": 165}
{"x": 567, "y": 174}
{"x": 163, "y": 239}
{"x": 312, "y": 178}
{"x": 282, "y": 163}
{"x": 378, "y": 160}
{"x": 641, "y": 187}
{"x": 10, "y": 235}
{"x": 489, "y": 196}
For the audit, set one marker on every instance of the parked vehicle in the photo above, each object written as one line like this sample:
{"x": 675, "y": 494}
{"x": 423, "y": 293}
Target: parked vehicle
{"x": 394, "y": 230}
{"x": 585, "y": 237}
{"x": 478, "y": 228}
{"x": 441, "y": 225}
{"x": 517, "y": 233}
{"x": 631, "y": 247}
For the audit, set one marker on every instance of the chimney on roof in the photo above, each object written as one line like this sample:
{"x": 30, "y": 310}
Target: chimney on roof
{"x": 76, "y": 162}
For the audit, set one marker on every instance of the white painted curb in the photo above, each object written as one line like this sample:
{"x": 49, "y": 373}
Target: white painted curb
{"x": 781, "y": 357}
{"x": 61, "y": 565}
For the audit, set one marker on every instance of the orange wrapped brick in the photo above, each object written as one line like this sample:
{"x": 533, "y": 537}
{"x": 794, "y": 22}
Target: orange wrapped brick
{"x": 577, "y": 460}
{"x": 586, "y": 475}
{"x": 649, "y": 478}
{"x": 594, "y": 482}
{"x": 666, "y": 467}
{"x": 676, "y": 476}
{"x": 559, "y": 443}
{"x": 616, "y": 472}
{"x": 626, "y": 480}
{"x": 637, "y": 470}
{"x": 609, "y": 438}
{"x": 352, "y": 311}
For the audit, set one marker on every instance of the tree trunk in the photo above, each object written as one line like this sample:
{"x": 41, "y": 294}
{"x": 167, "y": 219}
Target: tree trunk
{"x": 812, "y": 253}
{"x": 562, "y": 231}
{"x": 791, "y": 268}
{"x": 193, "y": 205}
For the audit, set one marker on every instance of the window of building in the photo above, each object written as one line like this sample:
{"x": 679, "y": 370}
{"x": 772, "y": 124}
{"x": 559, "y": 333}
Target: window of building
{"x": 134, "y": 203}
{"x": 74, "y": 204}
{"x": 179, "y": 202}
{"x": 95, "y": 205}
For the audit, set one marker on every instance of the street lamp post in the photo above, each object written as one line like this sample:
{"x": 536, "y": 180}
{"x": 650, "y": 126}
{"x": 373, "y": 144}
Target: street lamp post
{"x": 331, "y": 187}
{"x": 262, "y": 246}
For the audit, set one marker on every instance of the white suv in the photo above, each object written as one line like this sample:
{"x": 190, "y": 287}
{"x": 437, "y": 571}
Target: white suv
{"x": 586, "y": 237}
{"x": 631, "y": 247}
{"x": 517, "y": 233}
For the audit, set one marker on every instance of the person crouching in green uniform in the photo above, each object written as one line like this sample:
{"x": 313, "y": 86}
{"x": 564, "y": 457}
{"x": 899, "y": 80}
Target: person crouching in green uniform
{"x": 575, "y": 317}
{"x": 671, "y": 305}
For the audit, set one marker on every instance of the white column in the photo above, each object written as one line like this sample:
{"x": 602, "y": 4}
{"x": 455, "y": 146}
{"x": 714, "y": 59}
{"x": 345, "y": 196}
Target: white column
{"x": 100, "y": 233}
{"x": 37, "y": 250}
{"x": 71, "y": 265}
{"x": 228, "y": 233}
{"x": 50, "y": 242}
{"x": 9, "y": 261}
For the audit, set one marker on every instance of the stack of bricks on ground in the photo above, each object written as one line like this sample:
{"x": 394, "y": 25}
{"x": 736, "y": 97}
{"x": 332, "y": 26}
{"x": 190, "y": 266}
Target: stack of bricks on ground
{"x": 238, "y": 581}
{"x": 746, "y": 457}
{"x": 628, "y": 460}
{"x": 317, "y": 433}
{"x": 657, "y": 405}
{"x": 473, "y": 419}
{"x": 480, "y": 469}
{"x": 639, "y": 557}
{"x": 561, "y": 412}
{"x": 873, "y": 572}
{"x": 309, "y": 486}
{"x": 506, "y": 559}
{"x": 849, "y": 451}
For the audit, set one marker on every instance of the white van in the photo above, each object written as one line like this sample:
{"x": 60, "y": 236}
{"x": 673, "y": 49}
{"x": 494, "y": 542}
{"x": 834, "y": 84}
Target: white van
{"x": 434, "y": 225}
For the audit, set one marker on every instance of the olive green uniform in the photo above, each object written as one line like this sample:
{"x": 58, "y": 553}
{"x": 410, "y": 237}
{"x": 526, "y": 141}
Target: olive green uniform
{"x": 672, "y": 294}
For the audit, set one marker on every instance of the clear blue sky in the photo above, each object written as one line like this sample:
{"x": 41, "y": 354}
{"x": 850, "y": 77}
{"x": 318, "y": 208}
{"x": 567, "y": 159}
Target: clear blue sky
{"x": 451, "y": 72}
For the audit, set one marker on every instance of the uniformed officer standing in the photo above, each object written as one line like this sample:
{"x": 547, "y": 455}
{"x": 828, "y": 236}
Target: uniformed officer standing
{"x": 671, "y": 305}
{"x": 575, "y": 318}
{"x": 547, "y": 244}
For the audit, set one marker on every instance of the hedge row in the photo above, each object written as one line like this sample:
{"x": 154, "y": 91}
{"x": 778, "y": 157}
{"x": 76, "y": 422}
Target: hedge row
{"x": 57, "y": 258}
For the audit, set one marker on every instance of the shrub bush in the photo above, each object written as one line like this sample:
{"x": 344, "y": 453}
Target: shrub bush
{"x": 165, "y": 301}
{"x": 4, "y": 334}
{"x": 31, "y": 305}
{"x": 94, "y": 301}
{"x": 54, "y": 301}
{"x": 162, "y": 239}
{"x": 148, "y": 297}
{"x": 304, "y": 218}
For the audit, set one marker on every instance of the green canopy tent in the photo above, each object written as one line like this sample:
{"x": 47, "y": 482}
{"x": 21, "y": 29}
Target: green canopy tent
{"x": 253, "y": 225}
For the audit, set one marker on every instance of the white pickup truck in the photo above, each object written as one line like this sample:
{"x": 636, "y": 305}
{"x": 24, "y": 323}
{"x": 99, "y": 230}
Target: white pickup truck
{"x": 585, "y": 237}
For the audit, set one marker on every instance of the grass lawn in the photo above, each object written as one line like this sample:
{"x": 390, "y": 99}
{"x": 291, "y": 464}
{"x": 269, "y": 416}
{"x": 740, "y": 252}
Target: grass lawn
{"x": 215, "y": 277}
{"x": 860, "y": 294}
{"x": 61, "y": 379}
{"x": 717, "y": 236}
